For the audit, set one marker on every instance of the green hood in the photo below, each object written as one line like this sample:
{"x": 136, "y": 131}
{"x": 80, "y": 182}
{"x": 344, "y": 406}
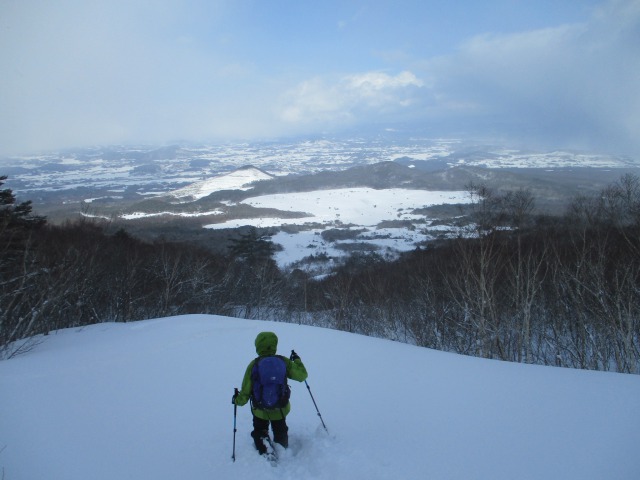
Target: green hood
{"x": 266, "y": 343}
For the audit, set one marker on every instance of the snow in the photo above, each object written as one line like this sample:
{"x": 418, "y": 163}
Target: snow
{"x": 259, "y": 222}
{"x": 139, "y": 215}
{"x": 360, "y": 206}
{"x": 240, "y": 179}
{"x": 118, "y": 165}
{"x": 152, "y": 399}
{"x": 297, "y": 246}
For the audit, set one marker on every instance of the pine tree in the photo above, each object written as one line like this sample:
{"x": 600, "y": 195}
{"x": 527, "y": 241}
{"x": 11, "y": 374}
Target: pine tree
{"x": 253, "y": 247}
{"x": 14, "y": 215}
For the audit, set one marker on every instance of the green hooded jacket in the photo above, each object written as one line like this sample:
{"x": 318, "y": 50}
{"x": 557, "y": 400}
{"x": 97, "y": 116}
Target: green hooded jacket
{"x": 266, "y": 345}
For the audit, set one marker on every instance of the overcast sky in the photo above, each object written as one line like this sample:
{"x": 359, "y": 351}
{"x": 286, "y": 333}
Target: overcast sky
{"x": 544, "y": 73}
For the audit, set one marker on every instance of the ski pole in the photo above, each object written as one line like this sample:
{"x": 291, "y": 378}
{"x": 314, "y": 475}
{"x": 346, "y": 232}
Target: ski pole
{"x": 235, "y": 414}
{"x": 313, "y": 399}
{"x": 316, "y": 405}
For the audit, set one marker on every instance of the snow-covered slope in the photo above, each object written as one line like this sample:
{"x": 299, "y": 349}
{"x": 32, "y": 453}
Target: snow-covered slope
{"x": 152, "y": 400}
{"x": 239, "y": 179}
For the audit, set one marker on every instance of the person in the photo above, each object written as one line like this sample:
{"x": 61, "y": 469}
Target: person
{"x": 266, "y": 344}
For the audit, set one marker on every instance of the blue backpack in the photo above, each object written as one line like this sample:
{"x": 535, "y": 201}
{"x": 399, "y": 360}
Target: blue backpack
{"x": 269, "y": 378}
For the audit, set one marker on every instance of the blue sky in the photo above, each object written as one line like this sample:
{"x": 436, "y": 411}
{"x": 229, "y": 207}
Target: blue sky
{"x": 543, "y": 73}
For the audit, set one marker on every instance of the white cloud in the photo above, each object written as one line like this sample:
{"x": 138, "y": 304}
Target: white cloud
{"x": 352, "y": 97}
{"x": 574, "y": 85}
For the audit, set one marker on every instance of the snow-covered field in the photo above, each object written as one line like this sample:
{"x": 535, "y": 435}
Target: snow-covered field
{"x": 362, "y": 208}
{"x": 359, "y": 206}
{"x": 152, "y": 400}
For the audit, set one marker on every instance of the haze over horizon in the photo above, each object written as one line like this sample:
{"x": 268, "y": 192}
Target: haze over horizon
{"x": 544, "y": 74}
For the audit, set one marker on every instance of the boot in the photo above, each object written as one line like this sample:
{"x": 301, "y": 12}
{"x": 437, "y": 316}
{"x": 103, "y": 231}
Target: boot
{"x": 280, "y": 432}
{"x": 260, "y": 440}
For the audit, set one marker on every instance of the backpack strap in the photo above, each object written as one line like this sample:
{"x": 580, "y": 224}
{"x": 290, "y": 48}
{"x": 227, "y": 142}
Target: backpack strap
{"x": 253, "y": 370}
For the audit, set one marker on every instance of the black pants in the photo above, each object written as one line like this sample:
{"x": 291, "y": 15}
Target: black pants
{"x": 261, "y": 430}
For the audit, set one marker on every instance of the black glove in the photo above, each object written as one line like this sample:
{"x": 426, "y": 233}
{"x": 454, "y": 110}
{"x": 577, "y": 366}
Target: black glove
{"x": 235, "y": 395}
{"x": 294, "y": 356}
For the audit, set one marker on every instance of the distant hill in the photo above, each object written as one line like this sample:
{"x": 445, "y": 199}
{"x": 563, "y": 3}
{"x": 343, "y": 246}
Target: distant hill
{"x": 548, "y": 186}
{"x": 239, "y": 179}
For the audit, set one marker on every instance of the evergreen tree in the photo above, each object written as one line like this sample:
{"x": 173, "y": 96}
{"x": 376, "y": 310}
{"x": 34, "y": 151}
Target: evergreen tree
{"x": 14, "y": 215}
{"x": 252, "y": 246}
